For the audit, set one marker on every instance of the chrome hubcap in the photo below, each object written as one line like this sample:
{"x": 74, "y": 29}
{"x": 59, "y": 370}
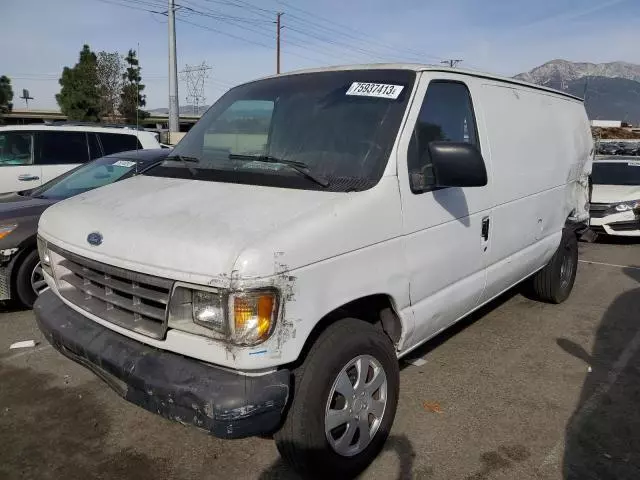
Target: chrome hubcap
{"x": 38, "y": 283}
{"x": 356, "y": 405}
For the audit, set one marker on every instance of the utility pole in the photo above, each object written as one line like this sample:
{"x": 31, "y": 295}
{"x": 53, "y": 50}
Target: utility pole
{"x": 278, "y": 28}
{"x": 452, "y": 63}
{"x": 174, "y": 125}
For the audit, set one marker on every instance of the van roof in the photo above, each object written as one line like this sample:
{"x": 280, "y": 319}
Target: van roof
{"x": 416, "y": 67}
{"x": 75, "y": 128}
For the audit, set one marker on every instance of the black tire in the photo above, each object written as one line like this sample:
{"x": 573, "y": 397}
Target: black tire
{"x": 302, "y": 441}
{"x": 555, "y": 281}
{"x": 25, "y": 293}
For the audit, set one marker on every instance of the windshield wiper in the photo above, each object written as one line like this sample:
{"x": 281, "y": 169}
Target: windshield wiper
{"x": 186, "y": 160}
{"x": 299, "y": 167}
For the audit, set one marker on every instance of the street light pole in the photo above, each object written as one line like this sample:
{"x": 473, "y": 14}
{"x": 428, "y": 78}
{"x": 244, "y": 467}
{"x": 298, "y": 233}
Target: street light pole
{"x": 278, "y": 28}
{"x": 174, "y": 125}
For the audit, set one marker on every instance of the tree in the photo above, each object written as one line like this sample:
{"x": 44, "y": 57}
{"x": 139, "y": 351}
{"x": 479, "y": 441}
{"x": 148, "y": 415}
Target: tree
{"x": 110, "y": 69}
{"x": 6, "y": 96}
{"x": 79, "y": 97}
{"x": 131, "y": 98}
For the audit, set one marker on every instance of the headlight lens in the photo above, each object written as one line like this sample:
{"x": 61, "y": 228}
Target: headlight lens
{"x": 7, "y": 229}
{"x": 207, "y": 310}
{"x": 242, "y": 318}
{"x": 626, "y": 206}
{"x": 198, "y": 311}
{"x": 45, "y": 257}
{"x": 254, "y": 315}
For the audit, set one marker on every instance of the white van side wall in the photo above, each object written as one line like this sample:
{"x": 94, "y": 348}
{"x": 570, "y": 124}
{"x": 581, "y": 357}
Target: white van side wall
{"x": 540, "y": 148}
{"x": 535, "y": 128}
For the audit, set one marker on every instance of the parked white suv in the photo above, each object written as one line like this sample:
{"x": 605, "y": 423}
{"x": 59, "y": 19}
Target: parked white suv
{"x": 309, "y": 230}
{"x": 31, "y": 155}
{"x": 615, "y": 198}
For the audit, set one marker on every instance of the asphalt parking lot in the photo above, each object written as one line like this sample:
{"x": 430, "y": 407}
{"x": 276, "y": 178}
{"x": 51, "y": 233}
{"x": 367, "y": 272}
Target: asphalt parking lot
{"x": 520, "y": 390}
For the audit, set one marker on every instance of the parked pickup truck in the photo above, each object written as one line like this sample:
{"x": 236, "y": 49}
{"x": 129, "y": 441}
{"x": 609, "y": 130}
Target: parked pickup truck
{"x": 311, "y": 229}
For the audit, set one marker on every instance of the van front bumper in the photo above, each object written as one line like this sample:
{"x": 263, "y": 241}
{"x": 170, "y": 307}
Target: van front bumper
{"x": 226, "y": 404}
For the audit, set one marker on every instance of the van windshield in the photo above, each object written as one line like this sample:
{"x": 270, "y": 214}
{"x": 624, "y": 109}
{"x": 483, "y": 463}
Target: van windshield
{"x": 616, "y": 173}
{"x": 293, "y": 130}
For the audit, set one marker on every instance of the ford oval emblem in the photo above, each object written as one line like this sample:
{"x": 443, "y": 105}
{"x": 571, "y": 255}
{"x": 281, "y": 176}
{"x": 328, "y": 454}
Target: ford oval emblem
{"x": 94, "y": 238}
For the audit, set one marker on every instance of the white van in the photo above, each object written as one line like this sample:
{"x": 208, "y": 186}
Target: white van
{"x": 311, "y": 229}
{"x": 31, "y": 155}
{"x": 615, "y": 197}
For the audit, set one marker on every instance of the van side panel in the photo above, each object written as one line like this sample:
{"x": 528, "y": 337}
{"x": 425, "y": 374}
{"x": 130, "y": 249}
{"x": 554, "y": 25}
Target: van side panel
{"x": 540, "y": 144}
{"x": 446, "y": 257}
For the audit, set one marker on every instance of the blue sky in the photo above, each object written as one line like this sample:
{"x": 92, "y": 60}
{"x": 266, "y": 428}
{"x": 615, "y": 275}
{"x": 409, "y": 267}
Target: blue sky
{"x": 236, "y": 37}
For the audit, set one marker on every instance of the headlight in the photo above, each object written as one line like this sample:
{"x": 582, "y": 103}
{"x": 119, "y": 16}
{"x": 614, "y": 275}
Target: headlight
{"x": 626, "y": 206}
{"x": 242, "y": 318}
{"x": 207, "y": 310}
{"x": 45, "y": 258}
{"x": 198, "y": 311}
{"x": 7, "y": 229}
{"x": 253, "y": 316}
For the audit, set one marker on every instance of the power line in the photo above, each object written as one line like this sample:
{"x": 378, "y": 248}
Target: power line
{"x": 304, "y": 32}
{"x": 307, "y": 46}
{"x": 243, "y": 4}
{"x": 219, "y": 16}
{"x": 113, "y": 2}
{"x": 369, "y": 53}
{"x": 350, "y": 32}
{"x": 243, "y": 39}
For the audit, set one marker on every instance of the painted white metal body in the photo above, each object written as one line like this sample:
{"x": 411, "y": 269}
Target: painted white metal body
{"x": 21, "y": 177}
{"x": 425, "y": 252}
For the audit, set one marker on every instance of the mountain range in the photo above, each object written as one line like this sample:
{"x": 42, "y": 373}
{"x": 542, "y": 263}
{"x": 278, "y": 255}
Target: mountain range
{"x": 611, "y": 90}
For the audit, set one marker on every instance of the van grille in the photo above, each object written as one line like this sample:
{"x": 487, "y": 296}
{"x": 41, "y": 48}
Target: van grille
{"x": 132, "y": 300}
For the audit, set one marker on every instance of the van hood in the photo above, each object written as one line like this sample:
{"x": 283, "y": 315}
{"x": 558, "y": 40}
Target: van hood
{"x": 615, "y": 193}
{"x": 201, "y": 231}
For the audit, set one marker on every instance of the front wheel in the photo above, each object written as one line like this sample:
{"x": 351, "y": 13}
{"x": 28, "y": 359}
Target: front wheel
{"x": 344, "y": 402}
{"x": 30, "y": 280}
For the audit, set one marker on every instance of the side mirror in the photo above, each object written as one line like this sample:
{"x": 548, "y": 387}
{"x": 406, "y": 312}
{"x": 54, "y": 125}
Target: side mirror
{"x": 457, "y": 165}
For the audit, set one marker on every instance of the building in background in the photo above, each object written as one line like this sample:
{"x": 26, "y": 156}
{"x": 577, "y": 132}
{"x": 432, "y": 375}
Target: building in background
{"x": 606, "y": 123}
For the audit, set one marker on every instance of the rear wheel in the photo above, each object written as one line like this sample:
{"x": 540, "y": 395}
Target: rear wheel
{"x": 29, "y": 279}
{"x": 555, "y": 281}
{"x": 344, "y": 402}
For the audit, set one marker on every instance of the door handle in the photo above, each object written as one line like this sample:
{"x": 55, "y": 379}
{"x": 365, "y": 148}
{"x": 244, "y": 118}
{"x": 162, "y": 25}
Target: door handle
{"x": 485, "y": 228}
{"x": 28, "y": 178}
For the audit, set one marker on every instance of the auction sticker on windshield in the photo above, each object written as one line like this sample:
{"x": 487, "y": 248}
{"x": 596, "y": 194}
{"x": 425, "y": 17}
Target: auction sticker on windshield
{"x": 380, "y": 90}
{"x": 124, "y": 163}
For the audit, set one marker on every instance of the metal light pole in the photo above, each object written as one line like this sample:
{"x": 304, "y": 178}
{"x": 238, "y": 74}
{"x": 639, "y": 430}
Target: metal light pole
{"x": 174, "y": 125}
{"x": 278, "y": 28}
